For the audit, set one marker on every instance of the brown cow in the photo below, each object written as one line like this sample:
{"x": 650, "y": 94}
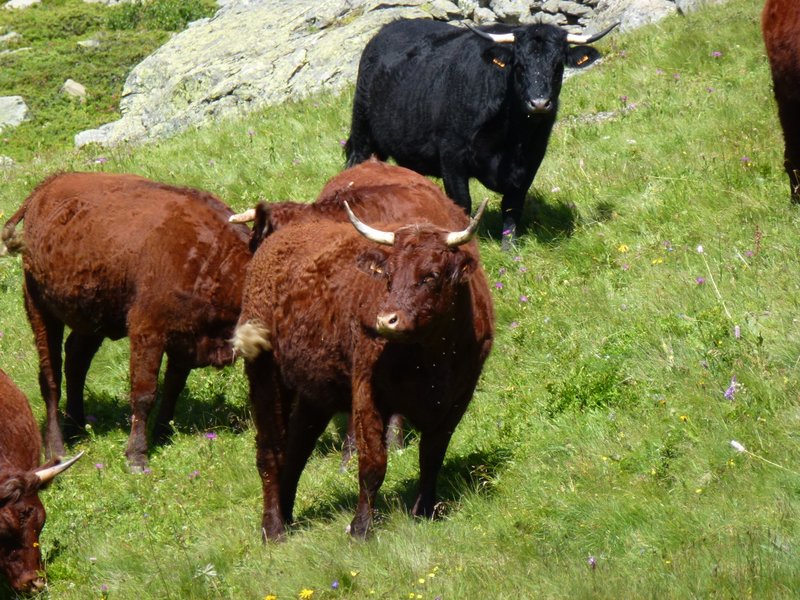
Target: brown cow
{"x": 111, "y": 256}
{"x": 348, "y": 317}
{"x": 21, "y": 512}
{"x": 780, "y": 25}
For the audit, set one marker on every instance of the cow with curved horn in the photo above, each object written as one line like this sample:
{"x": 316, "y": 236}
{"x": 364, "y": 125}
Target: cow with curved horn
{"x": 22, "y": 515}
{"x": 378, "y": 319}
{"x": 459, "y": 103}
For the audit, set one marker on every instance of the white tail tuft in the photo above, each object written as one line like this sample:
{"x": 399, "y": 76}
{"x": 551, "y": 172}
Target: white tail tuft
{"x": 251, "y": 339}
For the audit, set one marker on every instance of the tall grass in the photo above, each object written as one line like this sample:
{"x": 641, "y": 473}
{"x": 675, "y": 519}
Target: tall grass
{"x": 595, "y": 459}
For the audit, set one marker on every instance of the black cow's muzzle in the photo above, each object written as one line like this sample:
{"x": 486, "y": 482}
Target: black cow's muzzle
{"x": 539, "y": 106}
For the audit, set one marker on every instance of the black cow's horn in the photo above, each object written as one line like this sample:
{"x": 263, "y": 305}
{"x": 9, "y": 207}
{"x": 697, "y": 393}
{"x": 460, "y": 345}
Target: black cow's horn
{"x": 456, "y": 238}
{"x": 48, "y": 474}
{"x": 376, "y": 235}
{"x": 498, "y": 38}
{"x": 588, "y": 39}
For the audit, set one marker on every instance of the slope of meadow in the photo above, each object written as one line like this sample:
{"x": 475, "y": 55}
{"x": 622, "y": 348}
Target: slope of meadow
{"x": 648, "y": 317}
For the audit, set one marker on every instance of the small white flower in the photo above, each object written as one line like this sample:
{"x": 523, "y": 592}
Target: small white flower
{"x": 737, "y": 446}
{"x": 700, "y": 248}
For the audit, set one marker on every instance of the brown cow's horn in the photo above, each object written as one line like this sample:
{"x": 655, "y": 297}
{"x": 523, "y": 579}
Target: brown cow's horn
{"x": 376, "y": 235}
{"x": 498, "y": 38}
{"x": 48, "y": 474}
{"x": 244, "y": 217}
{"x": 456, "y": 238}
{"x": 588, "y": 39}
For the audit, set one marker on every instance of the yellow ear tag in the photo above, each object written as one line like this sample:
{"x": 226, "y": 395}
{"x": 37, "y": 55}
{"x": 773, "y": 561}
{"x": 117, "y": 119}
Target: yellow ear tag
{"x": 583, "y": 59}
{"x": 499, "y": 62}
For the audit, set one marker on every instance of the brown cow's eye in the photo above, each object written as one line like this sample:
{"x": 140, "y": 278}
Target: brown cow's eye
{"x": 430, "y": 279}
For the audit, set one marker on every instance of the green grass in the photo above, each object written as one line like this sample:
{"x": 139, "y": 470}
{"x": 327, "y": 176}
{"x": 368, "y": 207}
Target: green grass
{"x": 599, "y": 428}
{"x": 48, "y": 53}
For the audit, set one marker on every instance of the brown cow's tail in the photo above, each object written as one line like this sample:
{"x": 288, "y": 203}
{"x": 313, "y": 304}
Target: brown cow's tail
{"x": 11, "y": 241}
{"x": 250, "y": 339}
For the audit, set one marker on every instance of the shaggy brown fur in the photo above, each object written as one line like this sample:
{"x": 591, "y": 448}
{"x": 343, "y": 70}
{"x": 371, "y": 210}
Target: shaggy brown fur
{"x": 111, "y": 256}
{"x": 21, "y": 512}
{"x": 780, "y": 24}
{"x": 319, "y": 290}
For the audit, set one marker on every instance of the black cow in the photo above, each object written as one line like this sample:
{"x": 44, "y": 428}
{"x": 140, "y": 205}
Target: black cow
{"x": 458, "y": 103}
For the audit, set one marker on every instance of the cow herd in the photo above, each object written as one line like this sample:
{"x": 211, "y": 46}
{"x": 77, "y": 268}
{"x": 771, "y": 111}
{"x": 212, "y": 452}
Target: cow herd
{"x": 371, "y": 300}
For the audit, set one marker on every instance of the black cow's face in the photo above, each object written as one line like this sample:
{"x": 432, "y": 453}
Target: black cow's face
{"x": 21, "y": 521}
{"x": 537, "y": 58}
{"x": 423, "y": 276}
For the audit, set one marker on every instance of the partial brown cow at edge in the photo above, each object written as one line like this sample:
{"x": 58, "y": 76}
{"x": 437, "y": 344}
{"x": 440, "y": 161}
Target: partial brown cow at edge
{"x": 110, "y": 256}
{"x": 22, "y": 515}
{"x": 379, "y": 319}
{"x": 780, "y": 25}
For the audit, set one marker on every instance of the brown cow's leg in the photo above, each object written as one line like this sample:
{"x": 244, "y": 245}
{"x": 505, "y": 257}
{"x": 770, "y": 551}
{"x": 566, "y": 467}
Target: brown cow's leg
{"x": 147, "y": 350}
{"x": 371, "y": 444}
{"x": 79, "y": 350}
{"x": 306, "y": 424}
{"x": 174, "y": 381}
{"x": 48, "y": 333}
{"x": 394, "y": 438}
{"x": 432, "y": 448}
{"x": 268, "y": 403}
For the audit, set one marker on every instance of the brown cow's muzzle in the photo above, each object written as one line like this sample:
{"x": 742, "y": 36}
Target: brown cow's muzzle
{"x": 29, "y": 583}
{"x": 390, "y": 325}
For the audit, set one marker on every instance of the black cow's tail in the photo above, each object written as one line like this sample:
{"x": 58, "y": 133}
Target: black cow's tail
{"x": 11, "y": 241}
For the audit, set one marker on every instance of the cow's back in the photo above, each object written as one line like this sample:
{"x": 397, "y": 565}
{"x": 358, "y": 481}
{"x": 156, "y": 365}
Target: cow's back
{"x": 780, "y": 22}
{"x": 96, "y": 243}
{"x": 20, "y": 440}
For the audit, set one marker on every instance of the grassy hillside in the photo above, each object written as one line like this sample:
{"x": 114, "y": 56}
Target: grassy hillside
{"x": 647, "y": 318}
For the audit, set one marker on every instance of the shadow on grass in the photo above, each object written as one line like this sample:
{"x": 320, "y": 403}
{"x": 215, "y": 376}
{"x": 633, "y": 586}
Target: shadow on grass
{"x": 474, "y": 473}
{"x": 196, "y": 410}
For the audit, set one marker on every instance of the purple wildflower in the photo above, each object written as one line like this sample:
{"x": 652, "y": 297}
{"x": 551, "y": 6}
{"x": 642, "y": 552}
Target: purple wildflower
{"x": 100, "y": 160}
{"x": 623, "y": 99}
{"x": 523, "y": 298}
{"x": 700, "y": 280}
{"x": 716, "y": 54}
{"x": 194, "y": 474}
{"x": 710, "y": 90}
{"x": 342, "y": 142}
{"x": 676, "y": 76}
{"x": 737, "y": 332}
{"x": 745, "y": 160}
{"x": 211, "y": 435}
{"x": 514, "y": 325}
{"x": 592, "y": 562}
{"x": 517, "y": 258}
{"x": 523, "y": 269}
{"x": 99, "y": 466}
{"x": 625, "y": 267}
{"x": 104, "y": 588}
{"x": 659, "y": 71}
{"x": 498, "y": 285}
{"x": 731, "y": 391}
{"x": 251, "y": 133}
{"x": 335, "y": 584}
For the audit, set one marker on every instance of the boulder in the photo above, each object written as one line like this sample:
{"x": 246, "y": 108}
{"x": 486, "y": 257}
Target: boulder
{"x": 632, "y": 14}
{"x": 73, "y": 88}
{"x": 20, "y": 3}
{"x": 13, "y": 111}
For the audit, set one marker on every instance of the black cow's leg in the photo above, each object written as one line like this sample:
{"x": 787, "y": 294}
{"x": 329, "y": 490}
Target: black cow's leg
{"x": 789, "y": 114}
{"x": 268, "y": 403}
{"x": 306, "y": 424}
{"x": 79, "y": 350}
{"x": 456, "y": 186}
{"x": 147, "y": 350}
{"x": 511, "y": 209}
{"x": 48, "y": 333}
{"x": 174, "y": 381}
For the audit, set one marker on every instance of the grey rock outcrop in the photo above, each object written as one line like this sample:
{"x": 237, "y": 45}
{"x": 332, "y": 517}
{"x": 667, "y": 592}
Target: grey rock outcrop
{"x": 11, "y": 4}
{"x": 254, "y": 53}
{"x": 13, "y": 111}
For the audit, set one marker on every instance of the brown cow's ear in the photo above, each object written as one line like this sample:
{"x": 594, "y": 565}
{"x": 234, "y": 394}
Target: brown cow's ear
{"x": 465, "y": 268}
{"x": 15, "y": 485}
{"x": 372, "y": 262}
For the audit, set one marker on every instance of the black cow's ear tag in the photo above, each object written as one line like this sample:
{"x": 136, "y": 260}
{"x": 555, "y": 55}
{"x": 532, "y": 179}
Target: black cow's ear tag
{"x": 499, "y": 63}
{"x": 582, "y": 60}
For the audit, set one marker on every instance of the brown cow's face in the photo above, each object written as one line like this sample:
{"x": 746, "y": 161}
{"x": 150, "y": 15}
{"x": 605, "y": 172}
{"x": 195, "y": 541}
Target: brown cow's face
{"x": 423, "y": 277}
{"x": 21, "y": 520}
